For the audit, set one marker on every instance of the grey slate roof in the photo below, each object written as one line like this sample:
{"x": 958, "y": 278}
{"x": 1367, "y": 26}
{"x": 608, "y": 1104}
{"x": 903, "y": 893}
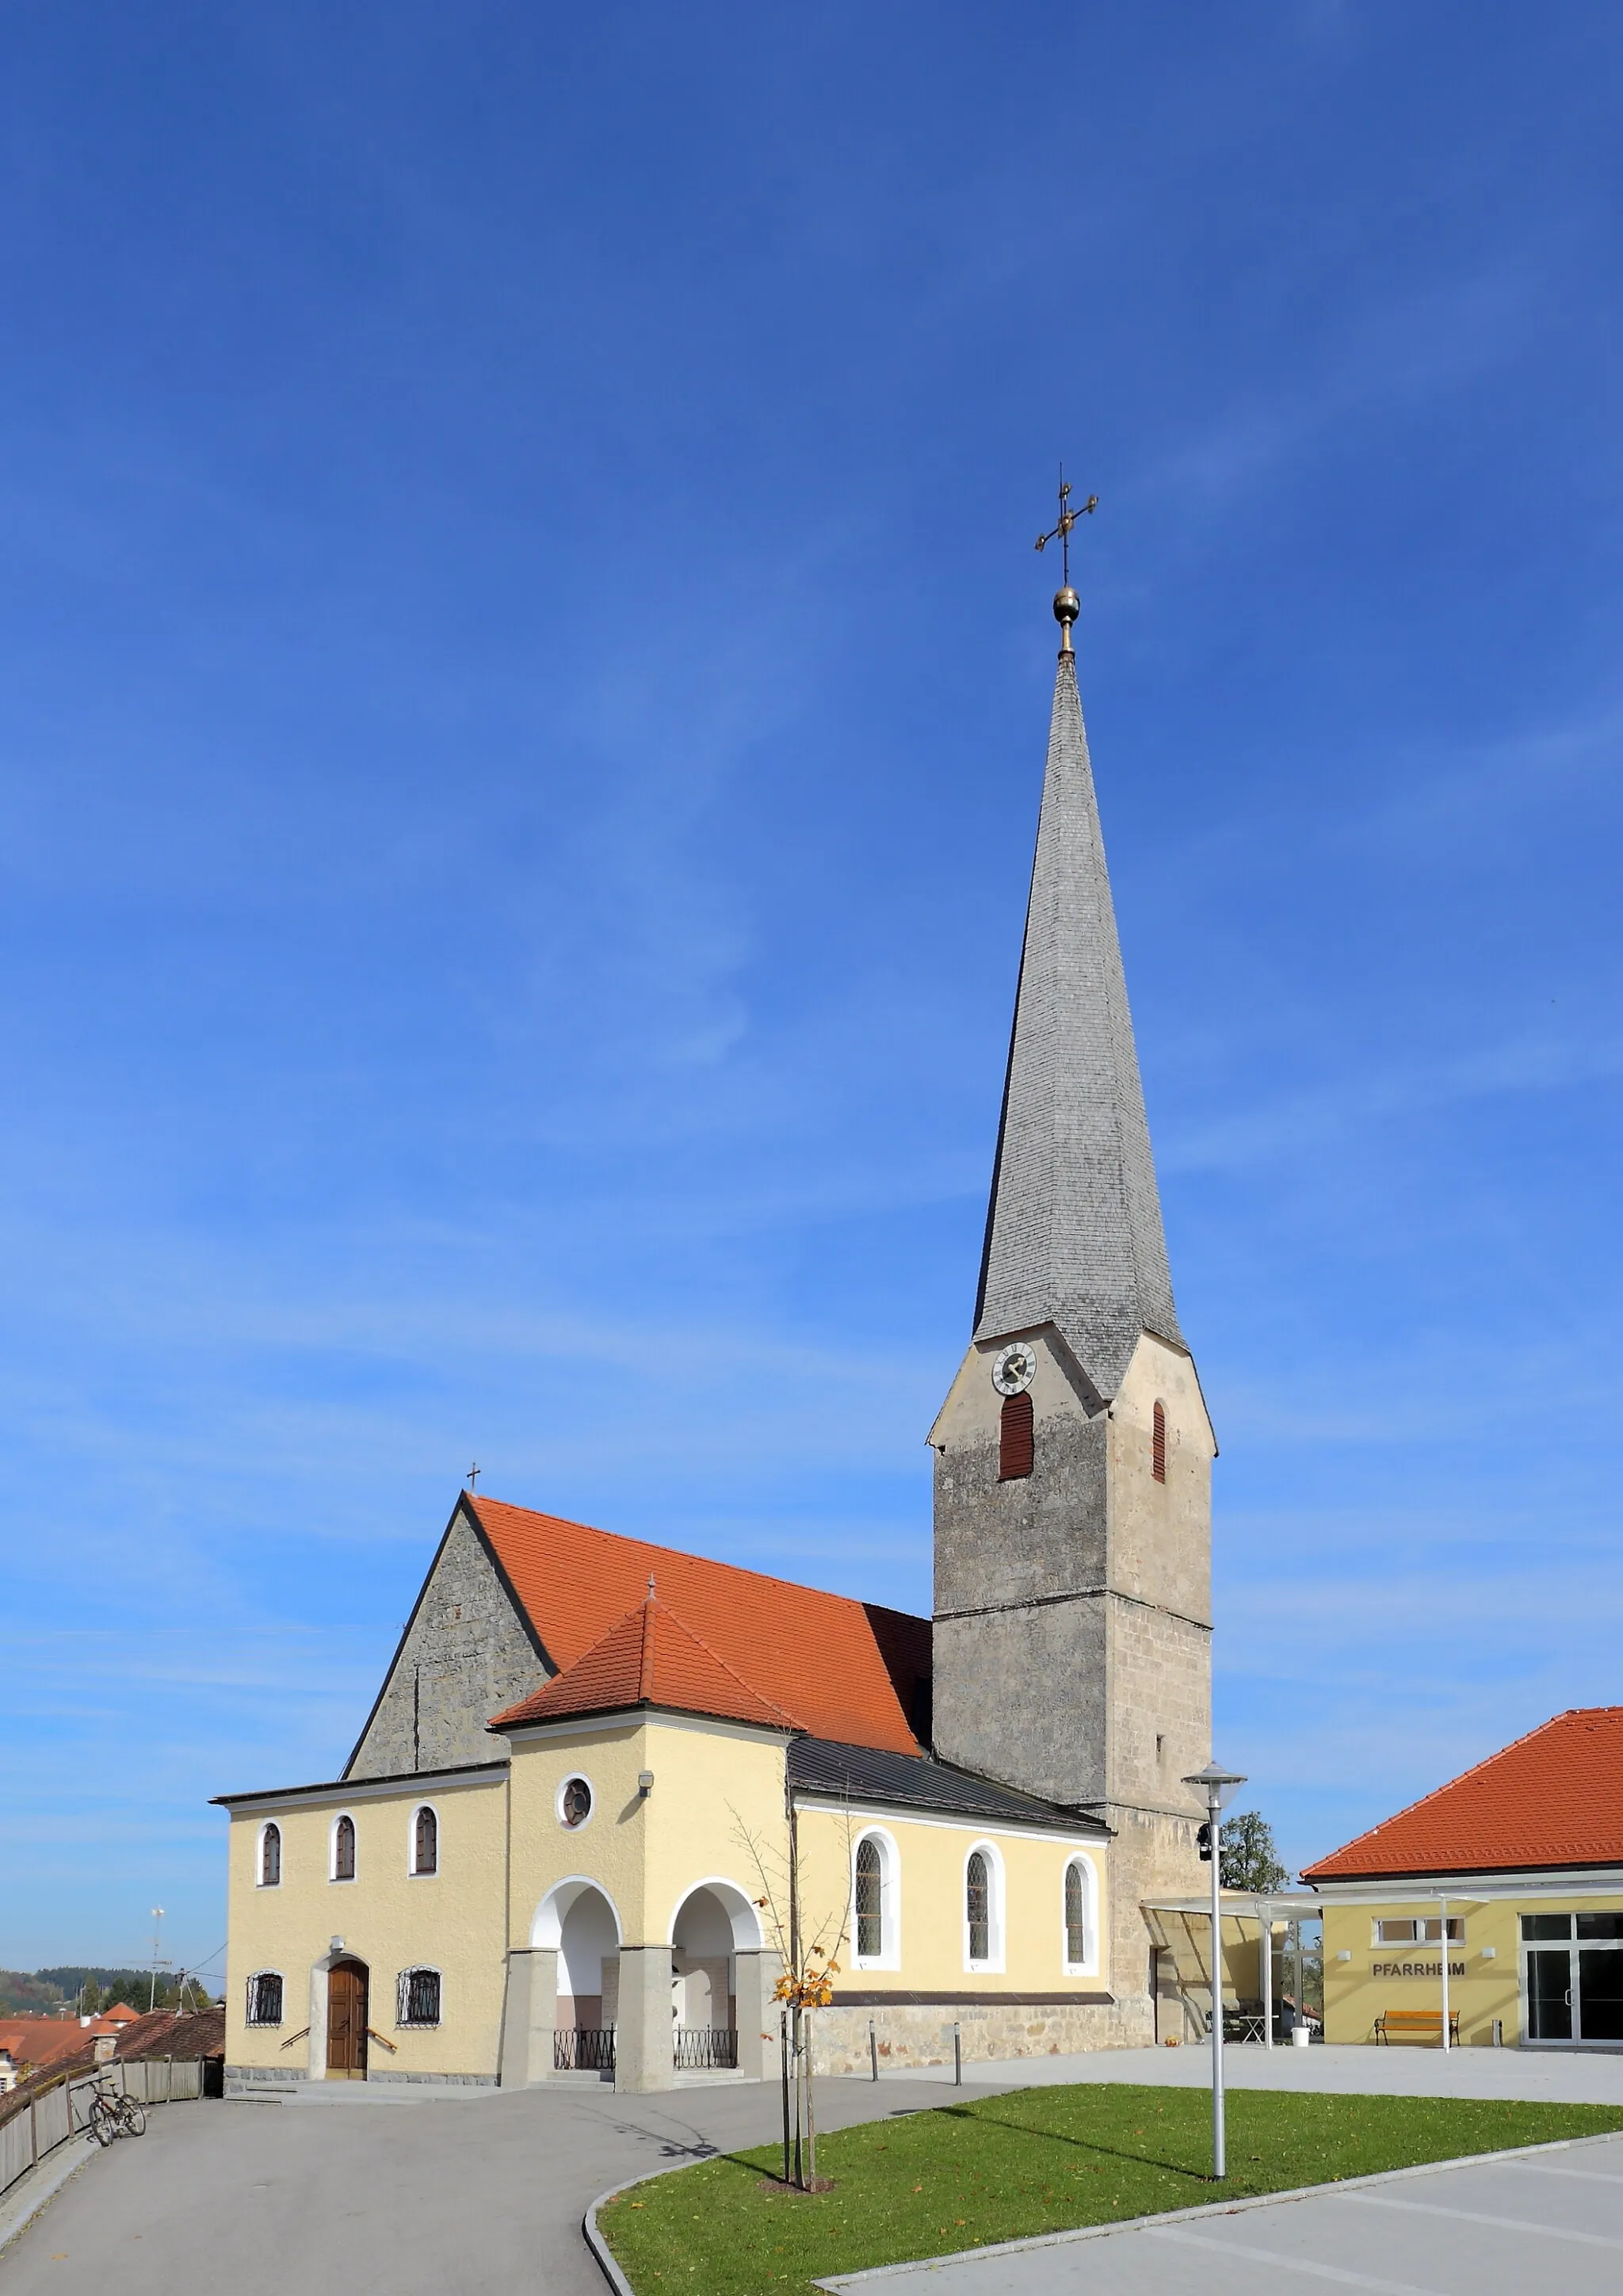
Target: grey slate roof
{"x": 1074, "y": 1228}
{"x": 914, "y": 1781}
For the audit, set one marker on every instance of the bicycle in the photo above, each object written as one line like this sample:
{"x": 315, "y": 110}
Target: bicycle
{"x": 113, "y": 2114}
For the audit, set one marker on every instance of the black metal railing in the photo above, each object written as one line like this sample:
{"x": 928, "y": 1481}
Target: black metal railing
{"x": 584, "y": 2049}
{"x": 706, "y": 2049}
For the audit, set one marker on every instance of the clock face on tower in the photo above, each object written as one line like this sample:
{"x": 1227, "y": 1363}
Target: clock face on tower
{"x": 1015, "y": 1367}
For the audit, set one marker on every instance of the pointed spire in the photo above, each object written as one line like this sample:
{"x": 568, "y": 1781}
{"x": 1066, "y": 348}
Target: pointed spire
{"x": 1074, "y": 1226}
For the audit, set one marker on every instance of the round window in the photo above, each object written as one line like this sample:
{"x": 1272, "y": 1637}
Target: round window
{"x": 575, "y": 1802}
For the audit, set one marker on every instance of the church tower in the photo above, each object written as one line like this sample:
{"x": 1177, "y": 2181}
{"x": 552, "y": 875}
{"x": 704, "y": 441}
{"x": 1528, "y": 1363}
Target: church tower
{"x": 1072, "y": 1624}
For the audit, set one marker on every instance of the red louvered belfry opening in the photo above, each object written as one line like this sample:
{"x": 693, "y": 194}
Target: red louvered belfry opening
{"x": 1158, "y": 1445}
{"x": 1015, "y": 1439}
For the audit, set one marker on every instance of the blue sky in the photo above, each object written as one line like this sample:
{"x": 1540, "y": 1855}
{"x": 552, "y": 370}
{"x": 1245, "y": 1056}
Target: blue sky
{"x": 523, "y": 680}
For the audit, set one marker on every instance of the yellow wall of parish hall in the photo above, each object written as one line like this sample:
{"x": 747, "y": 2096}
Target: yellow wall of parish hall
{"x": 389, "y": 1918}
{"x": 1484, "y": 1971}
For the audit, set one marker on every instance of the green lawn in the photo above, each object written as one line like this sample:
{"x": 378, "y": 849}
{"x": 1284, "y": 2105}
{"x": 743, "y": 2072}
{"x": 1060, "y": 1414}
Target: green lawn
{"x": 1005, "y": 2167}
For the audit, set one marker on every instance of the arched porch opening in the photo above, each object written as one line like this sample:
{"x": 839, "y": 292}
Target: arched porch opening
{"x": 578, "y": 1921}
{"x": 712, "y": 1926}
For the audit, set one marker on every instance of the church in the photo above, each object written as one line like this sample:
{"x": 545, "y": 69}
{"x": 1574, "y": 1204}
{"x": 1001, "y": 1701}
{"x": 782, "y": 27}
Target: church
{"x": 609, "y": 1791}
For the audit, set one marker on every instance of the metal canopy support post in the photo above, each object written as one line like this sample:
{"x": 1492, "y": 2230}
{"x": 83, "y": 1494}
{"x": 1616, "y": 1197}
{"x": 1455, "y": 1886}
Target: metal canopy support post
{"x": 1264, "y": 1954}
{"x": 1443, "y": 1940}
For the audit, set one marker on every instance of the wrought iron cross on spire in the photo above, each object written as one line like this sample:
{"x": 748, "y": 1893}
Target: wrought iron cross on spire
{"x": 1067, "y": 518}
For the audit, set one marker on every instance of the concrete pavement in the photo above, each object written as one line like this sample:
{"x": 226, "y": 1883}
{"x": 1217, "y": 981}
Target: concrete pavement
{"x": 1498, "y": 2227}
{"x": 341, "y": 2195}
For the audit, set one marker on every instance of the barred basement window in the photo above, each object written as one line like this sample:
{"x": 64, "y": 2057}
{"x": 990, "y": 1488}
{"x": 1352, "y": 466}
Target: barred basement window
{"x": 978, "y": 1904}
{"x": 270, "y": 1857}
{"x": 343, "y": 1850}
{"x": 1015, "y": 1439}
{"x": 869, "y": 1900}
{"x": 264, "y": 1998}
{"x": 419, "y": 2002}
{"x": 425, "y": 1842}
{"x": 1158, "y": 1444}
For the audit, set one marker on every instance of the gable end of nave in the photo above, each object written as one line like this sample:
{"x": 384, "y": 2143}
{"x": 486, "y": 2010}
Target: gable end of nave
{"x": 467, "y": 1654}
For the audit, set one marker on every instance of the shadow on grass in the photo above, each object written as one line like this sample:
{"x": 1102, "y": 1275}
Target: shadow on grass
{"x": 1078, "y": 2143}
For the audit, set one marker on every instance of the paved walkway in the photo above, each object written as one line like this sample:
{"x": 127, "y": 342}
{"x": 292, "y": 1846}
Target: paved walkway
{"x": 1553, "y": 2221}
{"x": 343, "y": 2193}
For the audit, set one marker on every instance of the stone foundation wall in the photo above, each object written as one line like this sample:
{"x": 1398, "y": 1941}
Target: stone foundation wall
{"x": 241, "y": 2076}
{"x": 913, "y": 2033}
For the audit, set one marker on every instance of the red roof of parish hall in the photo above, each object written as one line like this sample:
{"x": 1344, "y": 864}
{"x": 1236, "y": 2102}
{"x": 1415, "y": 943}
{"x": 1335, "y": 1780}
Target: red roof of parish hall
{"x": 650, "y": 1659}
{"x": 1552, "y": 1799}
{"x": 843, "y": 1670}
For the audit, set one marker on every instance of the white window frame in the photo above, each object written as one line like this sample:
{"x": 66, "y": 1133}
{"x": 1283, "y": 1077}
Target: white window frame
{"x": 402, "y": 1990}
{"x": 260, "y": 1881}
{"x": 1088, "y": 1966}
{"x": 993, "y": 1966}
{"x": 889, "y": 1954}
{"x": 264, "y": 2024}
{"x": 411, "y": 1846}
{"x": 1417, "y": 1924}
{"x": 346, "y": 1880}
{"x": 567, "y": 1779}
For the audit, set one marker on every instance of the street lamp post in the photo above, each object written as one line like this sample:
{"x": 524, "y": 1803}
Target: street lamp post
{"x": 1214, "y": 1785}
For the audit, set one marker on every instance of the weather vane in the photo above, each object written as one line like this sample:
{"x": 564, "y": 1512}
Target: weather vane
{"x": 1067, "y": 605}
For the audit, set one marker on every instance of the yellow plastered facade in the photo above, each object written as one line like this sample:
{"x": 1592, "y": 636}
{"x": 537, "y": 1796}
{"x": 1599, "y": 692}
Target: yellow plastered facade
{"x": 925, "y": 1947}
{"x": 713, "y": 1786}
{"x": 677, "y": 1804}
{"x": 389, "y": 1918}
{"x": 1486, "y": 1979}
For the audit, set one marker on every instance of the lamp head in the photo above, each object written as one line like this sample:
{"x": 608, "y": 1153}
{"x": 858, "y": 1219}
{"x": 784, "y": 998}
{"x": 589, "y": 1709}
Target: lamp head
{"x": 1214, "y": 1784}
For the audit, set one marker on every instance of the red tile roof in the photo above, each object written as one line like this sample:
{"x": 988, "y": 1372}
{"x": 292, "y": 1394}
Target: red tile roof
{"x": 847, "y": 1671}
{"x": 1552, "y": 1799}
{"x": 650, "y": 1659}
{"x": 169, "y": 2033}
{"x": 43, "y": 2041}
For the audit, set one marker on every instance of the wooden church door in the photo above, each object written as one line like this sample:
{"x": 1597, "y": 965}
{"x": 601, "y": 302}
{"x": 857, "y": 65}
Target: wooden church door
{"x": 347, "y": 2022}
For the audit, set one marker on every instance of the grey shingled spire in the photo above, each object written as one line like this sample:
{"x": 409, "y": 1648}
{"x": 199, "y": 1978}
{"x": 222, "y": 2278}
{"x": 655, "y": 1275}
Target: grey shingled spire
{"x": 1074, "y": 1228}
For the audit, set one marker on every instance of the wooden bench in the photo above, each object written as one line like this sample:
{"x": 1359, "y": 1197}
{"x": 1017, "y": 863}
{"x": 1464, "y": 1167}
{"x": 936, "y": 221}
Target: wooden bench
{"x": 1416, "y": 2025}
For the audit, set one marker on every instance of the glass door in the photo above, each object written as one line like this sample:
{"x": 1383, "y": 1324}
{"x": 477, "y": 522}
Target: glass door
{"x": 1550, "y": 1993}
{"x": 1600, "y": 1976}
{"x": 1574, "y": 1977}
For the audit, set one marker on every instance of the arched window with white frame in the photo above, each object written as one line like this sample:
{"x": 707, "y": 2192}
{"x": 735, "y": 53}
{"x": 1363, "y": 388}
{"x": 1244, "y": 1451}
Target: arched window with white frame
{"x": 342, "y": 1868}
{"x": 1079, "y": 1911}
{"x": 983, "y": 1910}
{"x": 270, "y": 1856}
{"x": 425, "y": 1839}
{"x": 876, "y": 1901}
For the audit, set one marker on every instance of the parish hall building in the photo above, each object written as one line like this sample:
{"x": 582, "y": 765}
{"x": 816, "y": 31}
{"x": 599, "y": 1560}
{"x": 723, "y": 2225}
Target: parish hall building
{"x": 607, "y": 1787}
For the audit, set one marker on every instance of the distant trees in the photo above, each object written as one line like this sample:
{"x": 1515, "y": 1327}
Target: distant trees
{"x": 1250, "y": 1857}
{"x": 80, "y": 1991}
